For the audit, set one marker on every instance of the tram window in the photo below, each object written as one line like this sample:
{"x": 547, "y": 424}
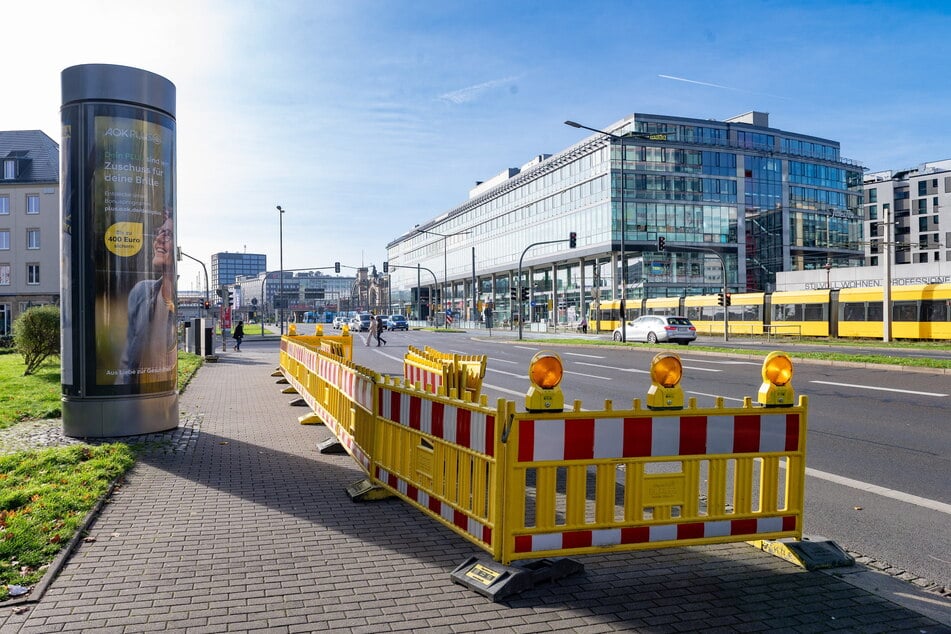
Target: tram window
{"x": 787, "y": 312}
{"x": 815, "y": 312}
{"x": 693, "y": 313}
{"x": 875, "y": 312}
{"x": 905, "y": 311}
{"x": 852, "y": 312}
{"x": 935, "y": 310}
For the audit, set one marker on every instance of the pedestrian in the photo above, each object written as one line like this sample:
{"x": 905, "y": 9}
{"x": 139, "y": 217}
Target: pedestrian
{"x": 584, "y": 325}
{"x": 238, "y": 336}
{"x": 380, "y": 327}
{"x": 371, "y": 333}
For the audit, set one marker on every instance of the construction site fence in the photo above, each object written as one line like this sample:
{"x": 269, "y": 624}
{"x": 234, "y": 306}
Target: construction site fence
{"x": 524, "y": 485}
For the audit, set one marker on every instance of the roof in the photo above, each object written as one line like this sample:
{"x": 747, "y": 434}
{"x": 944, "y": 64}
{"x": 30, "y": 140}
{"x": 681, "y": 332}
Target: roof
{"x": 39, "y": 155}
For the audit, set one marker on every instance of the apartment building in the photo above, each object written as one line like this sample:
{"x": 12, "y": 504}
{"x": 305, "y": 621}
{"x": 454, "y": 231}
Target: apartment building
{"x": 29, "y": 223}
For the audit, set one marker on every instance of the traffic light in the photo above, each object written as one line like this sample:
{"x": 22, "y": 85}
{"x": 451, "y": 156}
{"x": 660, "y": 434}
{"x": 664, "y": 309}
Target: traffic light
{"x": 230, "y": 298}
{"x": 514, "y": 293}
{"x": 207, "y": 304}
{"x": 661, "y": 243}
{"x": 572, "y": 240}
{"x": 728, "y": 300}
{"x": 336, "y": 267}
{"x": 386, "y": 266}
{"x": 525, "y": 294}
{"x": 720, "y": 299}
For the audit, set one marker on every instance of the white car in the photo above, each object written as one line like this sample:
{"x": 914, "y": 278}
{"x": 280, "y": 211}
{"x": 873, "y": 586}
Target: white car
{"x": 655, "y": 328}
{"x": 339, "y": 322}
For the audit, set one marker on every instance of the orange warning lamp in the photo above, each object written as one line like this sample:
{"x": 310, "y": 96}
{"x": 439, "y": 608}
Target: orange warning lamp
{"x": 320, "y": 331}
{"x": 665, "y": 391}
{"x": 777, "y": 389}
{"x": 545, "y": 372}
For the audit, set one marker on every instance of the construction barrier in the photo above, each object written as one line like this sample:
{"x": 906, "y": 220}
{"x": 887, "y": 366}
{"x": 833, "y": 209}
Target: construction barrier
{"x": 539, "y": 484}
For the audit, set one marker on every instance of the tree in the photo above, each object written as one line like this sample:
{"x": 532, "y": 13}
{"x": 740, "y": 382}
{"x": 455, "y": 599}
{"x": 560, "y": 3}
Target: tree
{"x": 36, "y": 336}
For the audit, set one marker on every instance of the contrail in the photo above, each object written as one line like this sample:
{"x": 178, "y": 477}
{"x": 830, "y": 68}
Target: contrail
{"x": 704, "y": 83}
{"x": 472, "y": 92}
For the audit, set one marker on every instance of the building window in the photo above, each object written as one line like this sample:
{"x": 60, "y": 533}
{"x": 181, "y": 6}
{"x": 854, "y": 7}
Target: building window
{"x": 32, "y": 203}
{"x": 4, "y": 205}
{"x": 32, "y": 238}
{"x": 872, "y": 195}
{"x": 4, "y": 275}
{"x": 922, "y": 188}
{"x": 4, "y": 239}
{"x": 873, "y": 212}
{"x": 9, "y": 169}
{"x": 33, "y": 273}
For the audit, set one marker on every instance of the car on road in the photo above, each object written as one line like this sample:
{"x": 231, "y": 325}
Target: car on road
{"x": 396, "y": 322}
{"x": 338, "y": 322}
{"x": 360, "y": 323}
{"x": 659, "y": 328}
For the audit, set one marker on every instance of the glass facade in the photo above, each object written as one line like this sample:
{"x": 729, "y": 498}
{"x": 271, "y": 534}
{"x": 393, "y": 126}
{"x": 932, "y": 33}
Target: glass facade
{"x": 226, "y": 267}
{"x": 757, "y": 199}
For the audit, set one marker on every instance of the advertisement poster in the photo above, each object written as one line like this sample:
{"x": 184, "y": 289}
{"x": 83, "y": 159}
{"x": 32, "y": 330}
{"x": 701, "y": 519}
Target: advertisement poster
{"x": 133, "y": 199}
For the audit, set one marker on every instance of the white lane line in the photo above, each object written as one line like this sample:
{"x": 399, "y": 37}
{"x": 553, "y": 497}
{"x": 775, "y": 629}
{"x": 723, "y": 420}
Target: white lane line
{"x": 901, "y": 496}
{"x": 524, "y": 348}
{"x": 587, "y": 356}
{"x": 590, "y": 376}
{"x": 521, "y": 375}
{"x": 504, "y": 390}
{"x": 713, "y": 362}
{"x": 879, "y": 389}
{"x": 725, "y": 398}
{"x": 608, "y": 367}
{"x": 497, "y": 360}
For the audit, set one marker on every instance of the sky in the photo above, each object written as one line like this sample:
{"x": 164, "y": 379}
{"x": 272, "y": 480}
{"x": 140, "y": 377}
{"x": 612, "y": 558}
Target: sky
{"x": 363, "y": 118}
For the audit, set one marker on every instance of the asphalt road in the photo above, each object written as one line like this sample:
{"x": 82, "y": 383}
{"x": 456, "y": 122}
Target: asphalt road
{"x": 879, "y": 443}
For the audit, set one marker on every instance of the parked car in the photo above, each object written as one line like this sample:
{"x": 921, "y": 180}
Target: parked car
{"x": 655, "y": 328}
{"x": 360, "y": 323}
{"x": 396, "y": 322}
{"x": 338, "y": 322}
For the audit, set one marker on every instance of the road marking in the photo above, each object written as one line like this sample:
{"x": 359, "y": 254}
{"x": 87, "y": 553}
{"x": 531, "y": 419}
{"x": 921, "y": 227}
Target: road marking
{"x": 880, "y": 389}
{"x": 590, "y": 376}
{"x": 724, "y": 362}
{"x": 901, "y": 496}
{"x": 504, "y": 390}
{"x": 725, "y": 398}
{"x": 497, "y": 360}
{"x": 587, "y": 356}
{"x": 524, "y": 348}
{"x": 521, "y": 375}
{"x": 608, "y": 367}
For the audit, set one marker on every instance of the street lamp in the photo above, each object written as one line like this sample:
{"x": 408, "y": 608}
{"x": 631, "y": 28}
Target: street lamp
{"x": 445, "y": 258}
{"x": 623, "y": 285}
{"x": 281, "y": 263}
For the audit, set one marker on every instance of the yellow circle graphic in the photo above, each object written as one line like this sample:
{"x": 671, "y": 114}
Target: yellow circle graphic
{"x": 124, "y": 238}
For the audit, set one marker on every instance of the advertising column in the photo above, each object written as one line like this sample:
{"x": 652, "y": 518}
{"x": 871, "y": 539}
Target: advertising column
{"x": 119, "y": 352}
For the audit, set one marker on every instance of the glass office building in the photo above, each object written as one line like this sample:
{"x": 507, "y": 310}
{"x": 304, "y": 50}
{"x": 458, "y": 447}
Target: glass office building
{"x": 732, "y": 193}
{"x": 226, "y": 267}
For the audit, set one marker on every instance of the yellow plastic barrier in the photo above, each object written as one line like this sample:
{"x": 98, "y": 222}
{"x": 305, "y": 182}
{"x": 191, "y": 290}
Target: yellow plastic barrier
{"x": 537, "y": 484}
{"x": 596, "y": 481}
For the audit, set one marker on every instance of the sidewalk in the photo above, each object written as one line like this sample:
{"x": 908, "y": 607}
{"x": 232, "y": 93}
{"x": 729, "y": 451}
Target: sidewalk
{"x": 234, "y": 522}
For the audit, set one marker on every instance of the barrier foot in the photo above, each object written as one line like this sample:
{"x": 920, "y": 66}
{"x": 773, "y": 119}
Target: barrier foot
{"x": 281, "y": 381}
{"x": 211, "y": 358}
{"x": 289, "y": 390}
{"x": 331, "y": 445}
{"x": 365, "y": 491}
{"x": 812, "y": 553}
{"x": 310, "y": 419}
{"x": 277, "y": 373}
{"x": 298, "y": 402}
{"x": 497, "y": 581}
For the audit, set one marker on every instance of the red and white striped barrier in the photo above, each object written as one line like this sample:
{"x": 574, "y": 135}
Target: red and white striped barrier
{"x": 467, "y": 428}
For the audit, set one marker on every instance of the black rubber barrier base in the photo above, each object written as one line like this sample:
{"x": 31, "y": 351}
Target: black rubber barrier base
{"x": 298, "y": 402}
{"x": 331, "y": 445}
{"x": 496, "y": 581}
{"x": 365, "y": 491}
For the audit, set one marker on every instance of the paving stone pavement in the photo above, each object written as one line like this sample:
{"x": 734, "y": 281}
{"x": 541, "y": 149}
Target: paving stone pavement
{"x": 235, "y": 523}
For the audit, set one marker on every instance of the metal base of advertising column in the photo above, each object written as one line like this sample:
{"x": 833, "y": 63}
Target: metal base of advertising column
{"x": 119, "y": 303}
{"x": 112, "y": 417}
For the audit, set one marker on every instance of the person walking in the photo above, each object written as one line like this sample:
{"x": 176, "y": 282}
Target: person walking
{"x": 238, "y": 336}
{"x": 371, "y": 333}
{"x": 380, "y": 327}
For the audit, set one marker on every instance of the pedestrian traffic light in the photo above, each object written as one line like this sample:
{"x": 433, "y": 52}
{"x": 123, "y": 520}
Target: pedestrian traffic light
{"x": 720, "y": 299}
{"x": 386, "y": 267}
{"x": 514, "y": 293}
{"x": 524, "y": 294}
{"x": 572, "y": 240}
{"x": 728, "y": 301}
{"x": 661, "y": 243}
{"x": 336, "y": 267}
